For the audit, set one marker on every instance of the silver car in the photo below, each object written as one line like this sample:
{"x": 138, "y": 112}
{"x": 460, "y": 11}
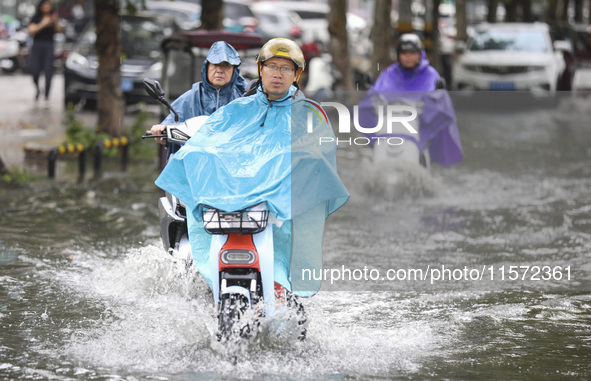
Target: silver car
{"x": 508, "y": 57}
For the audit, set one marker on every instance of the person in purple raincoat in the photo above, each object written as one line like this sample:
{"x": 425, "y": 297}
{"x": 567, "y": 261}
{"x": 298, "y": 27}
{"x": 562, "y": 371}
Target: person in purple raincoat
{"x": 412, "y": 72}
{"x": 413, "y": 77}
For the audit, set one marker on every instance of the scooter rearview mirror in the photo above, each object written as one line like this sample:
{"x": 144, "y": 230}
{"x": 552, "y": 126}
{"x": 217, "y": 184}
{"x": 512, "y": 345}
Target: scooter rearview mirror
{"x": 153, "y": 88}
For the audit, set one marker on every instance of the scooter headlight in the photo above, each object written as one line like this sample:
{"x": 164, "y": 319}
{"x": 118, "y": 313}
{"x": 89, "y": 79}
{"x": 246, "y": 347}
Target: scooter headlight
{"x": 178, "y": 135}
{"x": 237, "y": 257}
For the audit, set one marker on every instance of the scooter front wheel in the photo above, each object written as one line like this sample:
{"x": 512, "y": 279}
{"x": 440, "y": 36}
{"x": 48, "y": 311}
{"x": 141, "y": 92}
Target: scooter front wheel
{"x": 232, "y": 308}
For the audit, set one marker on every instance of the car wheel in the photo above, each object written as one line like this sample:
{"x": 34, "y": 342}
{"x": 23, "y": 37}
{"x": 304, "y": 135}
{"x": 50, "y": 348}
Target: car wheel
{"x": 9, "y": 65}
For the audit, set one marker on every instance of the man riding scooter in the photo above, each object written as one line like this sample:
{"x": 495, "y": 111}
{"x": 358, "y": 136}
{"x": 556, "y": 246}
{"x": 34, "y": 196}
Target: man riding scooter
{"x": 259, "y": 149}
{"x": 413, "y": 79}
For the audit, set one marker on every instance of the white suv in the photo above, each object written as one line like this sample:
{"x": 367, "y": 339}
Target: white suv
{"x": 510, "y": 56}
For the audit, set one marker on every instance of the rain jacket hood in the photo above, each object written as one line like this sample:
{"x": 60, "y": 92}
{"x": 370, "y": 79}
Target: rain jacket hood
{"x": 203, "y": 98}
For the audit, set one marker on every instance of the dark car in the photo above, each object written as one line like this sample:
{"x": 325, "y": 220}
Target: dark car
{"x": 583, "y": 44}
{"x": 567, "y": 36}
{"x": 141, "y": 35}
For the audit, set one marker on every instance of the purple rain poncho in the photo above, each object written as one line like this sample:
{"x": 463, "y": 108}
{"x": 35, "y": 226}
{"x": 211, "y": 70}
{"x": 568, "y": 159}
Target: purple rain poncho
{"x": 438, "y": 127}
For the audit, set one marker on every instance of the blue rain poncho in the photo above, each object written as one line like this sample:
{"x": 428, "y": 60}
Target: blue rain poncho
{"x": 203, "y": 98}
{"x": 251, "y": 151}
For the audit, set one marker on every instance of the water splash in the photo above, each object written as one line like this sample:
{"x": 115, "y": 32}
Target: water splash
{"x": 153, "y": 314}
{"x": 395, "y": 180}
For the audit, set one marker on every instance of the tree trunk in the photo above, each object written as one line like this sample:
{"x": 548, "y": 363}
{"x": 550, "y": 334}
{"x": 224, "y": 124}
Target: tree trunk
{"x": 564, "y": 11}
{"x": 526, "y": 11}
{"x": 212, "y": 14}
{"x": 578, "y": 11}
{"x": 381, "y": 37}
{"x": 339, "y": 41}
{"x": 511, "y": 11}
{"x": 492, "y": 11}
{"x": 461, "y": 21}
{"x": 110, "y": 105}
{"x": 405, "y": 17}
{"x": 434, "y": 21}
{"x": 552, "y": 10}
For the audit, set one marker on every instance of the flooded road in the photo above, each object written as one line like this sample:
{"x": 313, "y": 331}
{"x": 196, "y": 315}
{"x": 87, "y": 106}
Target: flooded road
{"x": 86, "y": 291}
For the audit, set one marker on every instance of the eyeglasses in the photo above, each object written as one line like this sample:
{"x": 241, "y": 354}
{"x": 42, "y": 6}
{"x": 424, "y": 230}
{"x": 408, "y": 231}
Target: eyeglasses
{"x": 282, "y": 69}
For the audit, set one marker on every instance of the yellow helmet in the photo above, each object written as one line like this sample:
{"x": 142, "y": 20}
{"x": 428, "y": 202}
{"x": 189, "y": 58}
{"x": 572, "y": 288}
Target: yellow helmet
{"x": 281, "y": 48}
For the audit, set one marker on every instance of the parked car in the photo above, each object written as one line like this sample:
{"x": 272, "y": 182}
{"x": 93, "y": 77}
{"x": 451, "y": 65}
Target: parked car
{"x": 9, "y": 49}
{"x": 141, "y": 35}
{"x": 274, "y": 23}
{"x": 238, "y": 17}
{"x": 510, "y": 56}
{"x": 186, "y": 14}
{"x": 314, "y": 23}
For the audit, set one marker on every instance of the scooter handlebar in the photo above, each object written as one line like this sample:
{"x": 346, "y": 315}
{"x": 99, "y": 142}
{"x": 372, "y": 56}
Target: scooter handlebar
{"x": 149, "y": 135}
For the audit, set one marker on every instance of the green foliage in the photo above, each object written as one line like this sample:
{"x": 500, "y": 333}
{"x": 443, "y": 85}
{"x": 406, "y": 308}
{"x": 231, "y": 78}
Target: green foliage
{"x": 77, "y": 133}
{"x": 17, "y": 177}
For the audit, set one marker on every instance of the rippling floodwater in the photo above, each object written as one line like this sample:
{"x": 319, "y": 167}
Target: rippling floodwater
{"x": 88, "y": 293}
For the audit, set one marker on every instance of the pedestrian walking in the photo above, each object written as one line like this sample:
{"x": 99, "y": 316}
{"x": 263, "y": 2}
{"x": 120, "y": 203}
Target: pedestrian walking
{"x": 44, "y": 25}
